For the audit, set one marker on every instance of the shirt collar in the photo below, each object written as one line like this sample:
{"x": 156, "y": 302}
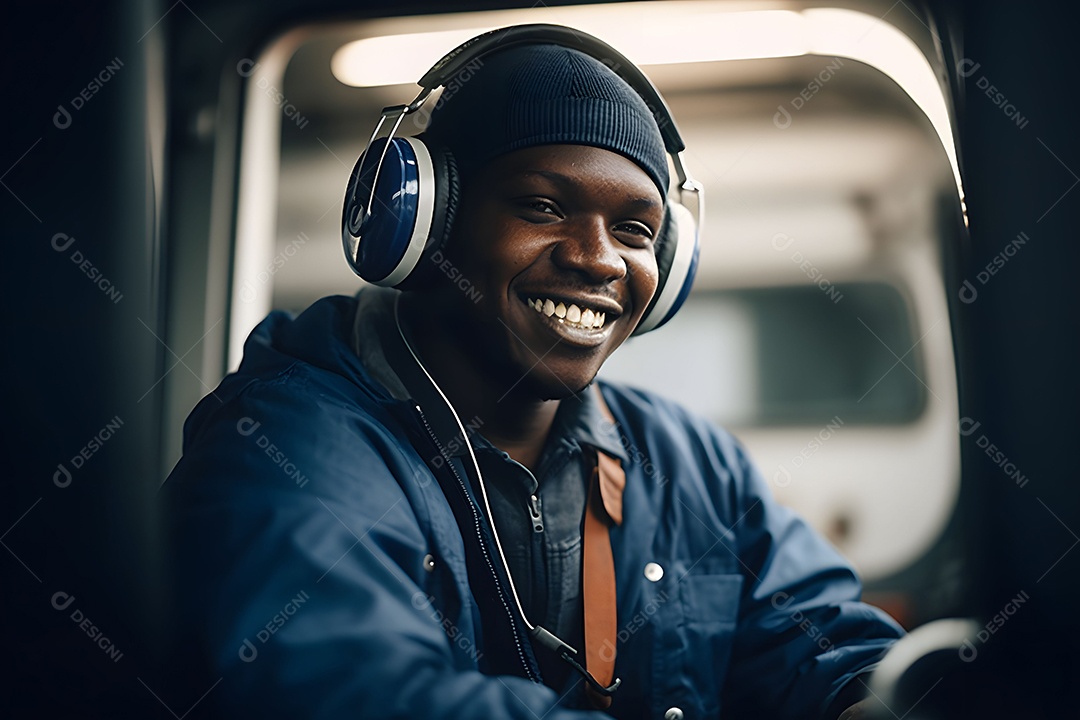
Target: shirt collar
{"x": 582, "y": 417}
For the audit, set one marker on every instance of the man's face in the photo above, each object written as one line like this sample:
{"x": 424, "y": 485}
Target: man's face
{"x": 558, "y": 240}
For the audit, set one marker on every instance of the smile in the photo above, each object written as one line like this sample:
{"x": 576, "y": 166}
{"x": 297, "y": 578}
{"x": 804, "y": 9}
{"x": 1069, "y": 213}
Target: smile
{"x": 573, "y": 315}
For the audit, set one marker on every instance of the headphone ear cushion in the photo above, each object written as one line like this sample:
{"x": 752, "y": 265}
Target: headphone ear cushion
{"x": 447, "y": 189}
{"x": 677, "y": 249}
{"x": 664, "y": 249}
{"x": 383, "y": 243}
{"x": 666, "y": 243}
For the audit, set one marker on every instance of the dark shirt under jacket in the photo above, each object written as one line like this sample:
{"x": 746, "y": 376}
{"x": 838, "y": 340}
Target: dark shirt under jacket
{"x": 545, "y": 554}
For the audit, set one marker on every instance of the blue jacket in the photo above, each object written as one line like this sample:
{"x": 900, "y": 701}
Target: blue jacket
{"x": 323, "y": 573}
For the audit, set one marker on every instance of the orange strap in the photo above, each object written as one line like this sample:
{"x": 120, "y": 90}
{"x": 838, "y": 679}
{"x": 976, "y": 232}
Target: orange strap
{"x": 603, "y": 508}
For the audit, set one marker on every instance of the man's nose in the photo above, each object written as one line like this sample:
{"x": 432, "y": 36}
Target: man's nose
{"x": 588, "y": 247}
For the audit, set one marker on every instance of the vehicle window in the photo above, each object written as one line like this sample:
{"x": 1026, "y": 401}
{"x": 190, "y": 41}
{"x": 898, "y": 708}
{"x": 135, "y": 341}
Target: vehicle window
{"x": 789, "y": 355}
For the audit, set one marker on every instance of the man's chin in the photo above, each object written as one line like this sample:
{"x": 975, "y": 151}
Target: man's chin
{"x": 561, "y": 395}
{"x": 553, "y": 387}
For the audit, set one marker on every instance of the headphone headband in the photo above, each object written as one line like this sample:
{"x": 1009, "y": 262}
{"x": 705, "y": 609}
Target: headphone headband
{"x": 539, "y": 33}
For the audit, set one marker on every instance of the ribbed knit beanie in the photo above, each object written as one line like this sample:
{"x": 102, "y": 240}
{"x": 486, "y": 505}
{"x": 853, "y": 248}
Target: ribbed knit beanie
{"x": 531, "y": 95}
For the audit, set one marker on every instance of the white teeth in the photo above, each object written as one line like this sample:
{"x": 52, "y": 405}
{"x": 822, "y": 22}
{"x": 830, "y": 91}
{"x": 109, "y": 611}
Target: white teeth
{"x": 573, "y": 314}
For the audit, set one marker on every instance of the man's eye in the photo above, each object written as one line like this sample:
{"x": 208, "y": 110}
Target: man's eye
{"x": 635, "y": 228}
{"x": 542, "y": 206}
{"x": 540, "y": 209}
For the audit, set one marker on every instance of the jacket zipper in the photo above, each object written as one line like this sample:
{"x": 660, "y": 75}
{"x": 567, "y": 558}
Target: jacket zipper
{"x": 534, "y": 513}
{"x": 483, "y": 546}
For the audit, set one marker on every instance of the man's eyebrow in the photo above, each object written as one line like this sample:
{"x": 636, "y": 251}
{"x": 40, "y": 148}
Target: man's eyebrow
{"x": 644, "y": 203}
{"x": 567, "y": 182}
{"x": 555, "y": 177}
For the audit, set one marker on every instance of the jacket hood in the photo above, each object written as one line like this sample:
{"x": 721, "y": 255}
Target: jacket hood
{"x": 321, "y": 336}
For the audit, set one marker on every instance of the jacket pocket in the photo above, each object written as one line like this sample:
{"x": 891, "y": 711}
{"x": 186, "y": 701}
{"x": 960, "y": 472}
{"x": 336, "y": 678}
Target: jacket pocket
{"x": 694, "y": 638}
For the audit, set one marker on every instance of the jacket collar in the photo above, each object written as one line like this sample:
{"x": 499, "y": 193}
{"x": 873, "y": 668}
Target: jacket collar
{"x": 372, "y": 322}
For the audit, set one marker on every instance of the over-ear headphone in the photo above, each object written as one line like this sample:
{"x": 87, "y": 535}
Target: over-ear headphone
{"x": 403, "y": 192}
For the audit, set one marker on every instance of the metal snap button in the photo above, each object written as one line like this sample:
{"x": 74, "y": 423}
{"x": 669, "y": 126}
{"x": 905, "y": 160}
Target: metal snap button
{"x": 673, "y": 713}
{"x": 429, "y": 562}
{"x": 654, "y": 572}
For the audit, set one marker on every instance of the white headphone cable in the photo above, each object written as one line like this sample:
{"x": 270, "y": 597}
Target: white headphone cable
{"x": 476, "y": 465}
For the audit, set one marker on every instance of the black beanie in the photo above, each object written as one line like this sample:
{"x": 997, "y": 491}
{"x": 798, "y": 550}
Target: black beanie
{"x": 544, "y": 95}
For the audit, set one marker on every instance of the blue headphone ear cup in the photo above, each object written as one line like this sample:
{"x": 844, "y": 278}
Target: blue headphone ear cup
{"x": 677, "y": 251}
{"x": 383, "y": 243}
{"x": 446, "y": 186}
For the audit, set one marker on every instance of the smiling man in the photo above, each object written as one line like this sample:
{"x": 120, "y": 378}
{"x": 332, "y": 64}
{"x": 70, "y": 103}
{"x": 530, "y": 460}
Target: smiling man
{"x": 558, "y": 239}
{"x": 484, "y": 531}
